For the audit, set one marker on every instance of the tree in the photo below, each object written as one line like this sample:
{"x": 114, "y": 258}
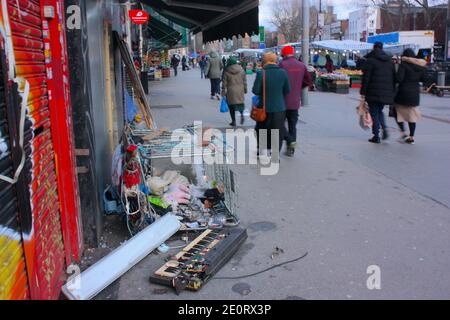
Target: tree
{"x": 287, "y": 18}
{"x": 429, "y": 14}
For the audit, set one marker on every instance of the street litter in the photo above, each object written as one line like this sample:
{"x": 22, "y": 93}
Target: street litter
{"x": 199, "y": 261}
{"x": 100, "y": 275}
{"x": 143, "y": 192}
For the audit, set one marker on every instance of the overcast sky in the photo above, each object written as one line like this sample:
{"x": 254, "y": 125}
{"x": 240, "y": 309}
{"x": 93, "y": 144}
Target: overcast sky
{"x": 341, "y": 9}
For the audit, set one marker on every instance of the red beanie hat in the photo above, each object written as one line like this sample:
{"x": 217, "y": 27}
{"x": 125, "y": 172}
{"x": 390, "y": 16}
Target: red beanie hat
{"x": 287, "y": 51}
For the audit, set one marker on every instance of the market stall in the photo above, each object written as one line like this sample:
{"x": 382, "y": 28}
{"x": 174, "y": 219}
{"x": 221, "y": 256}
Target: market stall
{"x": 333, "y": 82}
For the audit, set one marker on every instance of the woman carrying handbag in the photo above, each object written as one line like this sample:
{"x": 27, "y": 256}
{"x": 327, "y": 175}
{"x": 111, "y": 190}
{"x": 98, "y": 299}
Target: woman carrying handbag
{"x": 271, "y": 85}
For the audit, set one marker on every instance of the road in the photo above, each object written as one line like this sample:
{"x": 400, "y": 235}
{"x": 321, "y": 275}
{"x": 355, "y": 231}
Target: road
{"x": 347, "y": 203}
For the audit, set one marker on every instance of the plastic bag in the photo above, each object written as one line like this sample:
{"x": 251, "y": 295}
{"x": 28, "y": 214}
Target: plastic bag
{"x": 224, "y": 105}
{"x": 365, "y": 120}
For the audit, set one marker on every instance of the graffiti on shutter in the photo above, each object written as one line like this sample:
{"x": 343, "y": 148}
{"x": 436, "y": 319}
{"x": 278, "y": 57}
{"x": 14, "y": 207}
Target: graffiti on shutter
{"x": 41, "y": 226}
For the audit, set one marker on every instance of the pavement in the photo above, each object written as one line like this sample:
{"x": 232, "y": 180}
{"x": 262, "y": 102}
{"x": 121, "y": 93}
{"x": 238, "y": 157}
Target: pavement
{"x": 348, "y": 204}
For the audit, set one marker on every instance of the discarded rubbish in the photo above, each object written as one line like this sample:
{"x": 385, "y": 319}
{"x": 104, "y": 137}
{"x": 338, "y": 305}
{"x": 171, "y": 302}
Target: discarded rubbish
{"x": 200, "y": 260}
{"x": 276, "y": 252}
{"x": 97, "y": 277}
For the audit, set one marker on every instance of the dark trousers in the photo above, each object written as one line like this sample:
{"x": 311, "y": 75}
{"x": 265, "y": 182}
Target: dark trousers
{"x": 274, "y": 121}
{"x": 292, "y": 120}
{"x": 215, "y": 87}
{"x": 376, "y": 112}
{"x": 202, "y": 72}
{"x": 233, "y": 113}
{"x": 175, "y": 71}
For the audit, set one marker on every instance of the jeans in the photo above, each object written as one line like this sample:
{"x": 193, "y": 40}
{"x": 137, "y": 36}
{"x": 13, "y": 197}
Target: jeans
{"x": 175, "y": 71}
{"x": 376, "y": 112}
{"x": 215, "y": 87}
{"x": 292, "y": 120}
{"x": 202, "y": 72}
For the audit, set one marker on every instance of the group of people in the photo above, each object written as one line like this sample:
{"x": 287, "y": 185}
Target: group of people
{"x": 185, "y": 63}
{"x": 278, "y": 88}
{"x": 385, "y": 83}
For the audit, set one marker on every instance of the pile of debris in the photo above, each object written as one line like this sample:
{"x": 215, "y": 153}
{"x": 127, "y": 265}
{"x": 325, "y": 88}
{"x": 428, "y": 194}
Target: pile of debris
{"x": 159, "y": 203}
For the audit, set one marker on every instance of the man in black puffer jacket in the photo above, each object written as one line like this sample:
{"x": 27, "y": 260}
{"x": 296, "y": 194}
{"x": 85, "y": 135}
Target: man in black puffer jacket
{"x": 378, "y": 87}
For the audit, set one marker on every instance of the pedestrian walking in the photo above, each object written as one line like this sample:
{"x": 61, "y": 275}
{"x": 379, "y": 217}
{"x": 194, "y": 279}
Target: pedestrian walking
{"x": 329, "y": 65}
{"x": 378, "y": 88}
{"x": 299, "y": 78}
{"x": 410, "y": 73}
{"x": 271, "y": 86}
{"x": 183, "y": 63}
{"x": 174, "y": 62}
{"x": 234, "y": 88}
{"x": 202, "y": 65}
{"x": 213, "y": 72}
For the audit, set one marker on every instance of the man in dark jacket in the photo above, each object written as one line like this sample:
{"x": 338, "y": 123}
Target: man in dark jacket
{"x": 299, "y": 78}
{"x": 175, "y": 62}
{"x": 378, "y": 88}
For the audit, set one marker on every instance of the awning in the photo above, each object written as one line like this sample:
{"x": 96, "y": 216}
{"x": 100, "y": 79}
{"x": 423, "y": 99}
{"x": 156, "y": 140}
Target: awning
{"x": 342, "y": 45}
{"x": 217, "y": 19}
{"x": 161, "y": 32}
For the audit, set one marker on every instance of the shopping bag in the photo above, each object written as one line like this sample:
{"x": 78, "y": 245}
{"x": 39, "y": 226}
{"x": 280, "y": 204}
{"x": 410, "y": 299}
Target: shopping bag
{"x": 224, "y": 105}
{"x": 365, "y": 120}
{"x": 259, "y": 114}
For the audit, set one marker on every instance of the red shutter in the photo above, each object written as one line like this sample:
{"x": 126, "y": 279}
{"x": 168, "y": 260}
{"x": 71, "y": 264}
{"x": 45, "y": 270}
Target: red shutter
{"x": 43, "y": 243}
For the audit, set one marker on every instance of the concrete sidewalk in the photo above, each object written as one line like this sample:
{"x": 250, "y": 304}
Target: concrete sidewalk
{"x": 348, "y": 204}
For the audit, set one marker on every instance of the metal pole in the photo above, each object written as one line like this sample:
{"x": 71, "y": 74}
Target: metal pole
{"x": 305, "y": 46}
{"x": 319, "y": 16}
{"x": 447, "y": 43}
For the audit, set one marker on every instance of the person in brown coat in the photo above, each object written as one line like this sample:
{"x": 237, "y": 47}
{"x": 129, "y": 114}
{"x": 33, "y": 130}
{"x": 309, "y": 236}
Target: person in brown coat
{"x": 234, "y": 88}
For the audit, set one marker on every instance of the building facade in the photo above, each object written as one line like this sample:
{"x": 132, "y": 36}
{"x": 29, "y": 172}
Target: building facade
{"x": 363, "y": 23}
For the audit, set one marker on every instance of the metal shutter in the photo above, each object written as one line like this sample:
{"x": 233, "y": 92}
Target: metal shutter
{"x": 13, "y": 278}
{"x": 44, "y": 248}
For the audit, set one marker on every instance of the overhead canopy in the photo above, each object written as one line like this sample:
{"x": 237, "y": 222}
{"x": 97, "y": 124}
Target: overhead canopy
{"x": 217, "y": 19}
{"x": 161, "y": 32}
{"x": 342, "y": 46}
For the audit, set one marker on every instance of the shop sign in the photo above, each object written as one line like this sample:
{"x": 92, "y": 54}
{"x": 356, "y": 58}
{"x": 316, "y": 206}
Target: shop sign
{"x": 138, "y": 16}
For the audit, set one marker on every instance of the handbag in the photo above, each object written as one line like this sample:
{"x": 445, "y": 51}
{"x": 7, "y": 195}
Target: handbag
{"x": 224, "y": 105}
{"x": 365, "y": 120}
{"x": 259, "y": 114}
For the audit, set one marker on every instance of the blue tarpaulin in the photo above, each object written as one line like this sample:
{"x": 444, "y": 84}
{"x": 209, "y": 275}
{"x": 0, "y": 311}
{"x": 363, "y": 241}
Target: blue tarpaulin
{"x": 387, "y": 38}
{"x": 131, "y": 109}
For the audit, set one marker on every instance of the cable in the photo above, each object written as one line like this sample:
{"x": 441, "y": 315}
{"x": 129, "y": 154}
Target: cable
{"x": 262, "y": 271}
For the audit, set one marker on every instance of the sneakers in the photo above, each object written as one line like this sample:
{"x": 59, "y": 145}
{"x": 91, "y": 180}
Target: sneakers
{"x": 375, "y": 140}
{"x": 218, "y": 97}
{"x": 410, "y": 140}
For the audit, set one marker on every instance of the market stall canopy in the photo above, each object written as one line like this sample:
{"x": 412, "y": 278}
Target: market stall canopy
{"x": 217, "y": 19}
{"x": 161, "y": 32}
{"x": 249, "y": 51}
{"x": 342, "y": 46}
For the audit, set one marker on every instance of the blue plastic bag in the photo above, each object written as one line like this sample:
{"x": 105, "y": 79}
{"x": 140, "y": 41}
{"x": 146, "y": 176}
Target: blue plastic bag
{"x": 255, "y": 101}
{"x": 224, "y": 105}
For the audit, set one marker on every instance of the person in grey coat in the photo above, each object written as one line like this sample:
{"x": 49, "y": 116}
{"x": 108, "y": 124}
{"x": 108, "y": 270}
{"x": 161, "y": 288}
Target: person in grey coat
{"x": 213, "y": 72}
{"x": 234, "y": 88}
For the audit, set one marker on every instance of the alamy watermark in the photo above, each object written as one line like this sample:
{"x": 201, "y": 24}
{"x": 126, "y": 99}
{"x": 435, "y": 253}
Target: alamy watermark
{"x": 374, "y": 280}
{"x": 234, "y": 147}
